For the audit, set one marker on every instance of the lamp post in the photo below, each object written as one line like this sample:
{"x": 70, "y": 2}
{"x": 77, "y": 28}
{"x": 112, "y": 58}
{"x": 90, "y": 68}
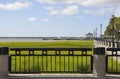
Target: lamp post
{"x": 101, "y": 31}
{"x": 113, "y": 43}
{"x": 96, "y": 33}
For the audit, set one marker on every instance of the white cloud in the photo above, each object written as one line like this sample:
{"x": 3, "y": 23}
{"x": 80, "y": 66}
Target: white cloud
{"x": 32, "y": 19}
{"x": 54, "y": 12}
{"x": 84, "y": 2}
{"x": 15, "y": 5}
{"x": 100, "y": 2}
{"x": 79, "y": 17}
{"x": 100, "y": 11}
{"x": 45, "y": 20}
{"x": 70, "y": 10}
{"x": 94, "y": 7}
{"x": 62, "y": 1}
{"x": 51, "y": 1}
{"x": 117, "y": 11}
{"x": 49, "y": 8}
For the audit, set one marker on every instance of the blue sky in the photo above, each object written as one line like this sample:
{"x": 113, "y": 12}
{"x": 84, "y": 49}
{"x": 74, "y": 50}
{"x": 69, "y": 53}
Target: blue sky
{"x": 55, "y": 17}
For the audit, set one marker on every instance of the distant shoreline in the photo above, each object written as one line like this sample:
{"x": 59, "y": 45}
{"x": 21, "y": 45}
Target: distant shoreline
{"x": 21, "y": 39}
{"x": 36, "y": 39}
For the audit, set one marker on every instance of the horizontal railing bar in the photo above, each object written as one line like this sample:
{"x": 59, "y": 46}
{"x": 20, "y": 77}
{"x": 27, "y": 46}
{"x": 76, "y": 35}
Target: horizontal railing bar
{"x": 51, "y": 49}
{"x": 113, "y": 49}
{"x": 52, "y": 55}
{"x": 113, "y": 72}
{"x": 113, "y": 55}
{"x": 51, "y": 72}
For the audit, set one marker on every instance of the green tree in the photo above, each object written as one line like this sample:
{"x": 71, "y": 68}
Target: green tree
{"x": 115, "y": 21}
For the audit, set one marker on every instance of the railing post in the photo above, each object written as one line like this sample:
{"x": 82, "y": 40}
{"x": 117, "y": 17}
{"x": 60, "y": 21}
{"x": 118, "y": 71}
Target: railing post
{"x": 4, "y": 61}
{"x": 106, "y": 43}
{"x": 118, "y": 44}
{"x": 99, "y": 62}
{"x": 115, "y": 44}
{"x": 109, "y": 44}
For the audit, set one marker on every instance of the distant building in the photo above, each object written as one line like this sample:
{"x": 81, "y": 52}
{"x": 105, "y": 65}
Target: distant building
{"x": 89, "y": 36}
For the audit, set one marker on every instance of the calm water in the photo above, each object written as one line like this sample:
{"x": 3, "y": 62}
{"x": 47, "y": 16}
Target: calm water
{"x": 25, "y": 39}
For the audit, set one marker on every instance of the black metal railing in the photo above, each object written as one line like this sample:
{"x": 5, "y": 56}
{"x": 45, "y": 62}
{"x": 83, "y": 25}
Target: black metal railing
{"x": 113, "y": 61}
{"x": 50, "y": 60}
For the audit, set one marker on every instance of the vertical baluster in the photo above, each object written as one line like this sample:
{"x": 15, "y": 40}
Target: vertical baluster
{"x": 112, "y": 61}
{"x": 24, "y": 64}
{"x": 116, "y": 62}
{"x": 60, "y": 61}
{"x": 42, "y": 60}
{"x": 46, "y": 61}
{"x": 68, "y": 61}
{"x": 64, "y": 63}
{"x": 73, "y": 59}
{"x": 20, "y": 60}
{"x": 33, "y": 60}
{"x": 77, "y": 64}
{"x": 51, "y": 63}
{"x": 82, "y": 63}
{"x": 86, "y": 62}
{"x": 29, "y": 62}
{"x": 14, "y": 63}
{"x": 55, "y": 59}
{"x": 38, "y": 64}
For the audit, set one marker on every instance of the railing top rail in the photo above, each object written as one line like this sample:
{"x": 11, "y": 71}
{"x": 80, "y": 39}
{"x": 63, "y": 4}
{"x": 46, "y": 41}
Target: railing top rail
{"x": 51, "y": 49}
{"x": 113, "y": 49}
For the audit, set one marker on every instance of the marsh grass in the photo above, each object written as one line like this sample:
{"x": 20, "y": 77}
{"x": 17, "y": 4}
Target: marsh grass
{"x": 54, "y": 44}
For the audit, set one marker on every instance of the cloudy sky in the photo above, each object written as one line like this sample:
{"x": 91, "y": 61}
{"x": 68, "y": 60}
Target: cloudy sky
{"x": 55, "y": 17}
